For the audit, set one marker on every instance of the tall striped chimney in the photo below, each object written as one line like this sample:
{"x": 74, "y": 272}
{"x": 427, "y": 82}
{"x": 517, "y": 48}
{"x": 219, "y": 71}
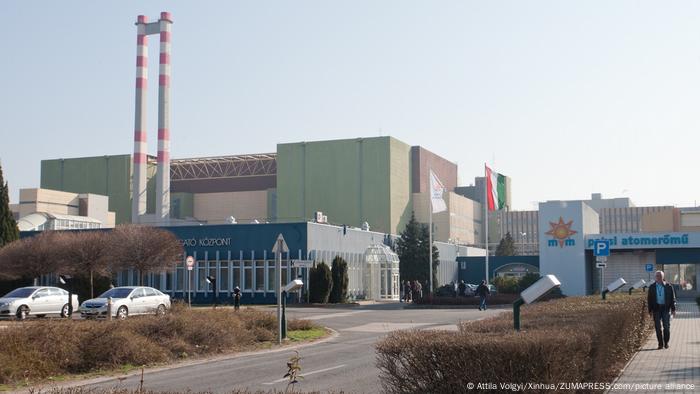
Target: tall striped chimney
{"x": 138, "y": 176}
{"x": 163, "y": 172}
{"x": 138, "y": 182}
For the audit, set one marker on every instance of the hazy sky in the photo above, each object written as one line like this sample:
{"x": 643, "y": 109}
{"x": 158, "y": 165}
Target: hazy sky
{"x": 567, "y": 98}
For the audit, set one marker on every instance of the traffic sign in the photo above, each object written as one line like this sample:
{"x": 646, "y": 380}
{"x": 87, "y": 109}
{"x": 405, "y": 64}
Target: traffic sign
{"x": 601, "y": 259}
{"x": 649, "y": 267}
{"x": 190, "y": 263}
{"x": 302, "y": 263}
{"x": 280, "y": 245}
{"x": 601, "y": 264}
{"x": 601, "y": 247}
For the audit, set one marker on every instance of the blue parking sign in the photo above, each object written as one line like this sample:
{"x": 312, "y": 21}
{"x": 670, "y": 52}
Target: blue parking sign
{"x": 650, "y": 267}
{"x": 601, "y": 247}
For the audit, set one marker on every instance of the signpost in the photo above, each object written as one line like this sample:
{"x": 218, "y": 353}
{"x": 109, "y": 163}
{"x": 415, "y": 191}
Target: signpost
{"x": 649, "y": 268}
{"x": 278, "y": 248}
{"x": 190, "y": 265}
{"x": 601, "y": 250}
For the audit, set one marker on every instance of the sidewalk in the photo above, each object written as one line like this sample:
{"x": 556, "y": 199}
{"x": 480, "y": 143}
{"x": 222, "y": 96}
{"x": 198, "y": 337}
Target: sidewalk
{"x": 675, "y": 369}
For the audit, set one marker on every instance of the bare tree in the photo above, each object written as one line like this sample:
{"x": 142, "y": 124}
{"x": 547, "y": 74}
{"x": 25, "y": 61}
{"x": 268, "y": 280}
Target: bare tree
{"x": 86, "y": 254}
{"x": 144, "y": 249}
{"x": 35, "y": 256}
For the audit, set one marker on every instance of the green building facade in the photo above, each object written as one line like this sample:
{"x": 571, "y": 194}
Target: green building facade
{"x": 351, "y": 181}
{"x": 106, "y": 175}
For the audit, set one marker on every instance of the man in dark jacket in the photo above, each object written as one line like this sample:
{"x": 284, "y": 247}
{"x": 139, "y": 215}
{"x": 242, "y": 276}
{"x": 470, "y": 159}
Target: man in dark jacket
{"x": 482, "y": 291}
{"x": 661, "y": 301}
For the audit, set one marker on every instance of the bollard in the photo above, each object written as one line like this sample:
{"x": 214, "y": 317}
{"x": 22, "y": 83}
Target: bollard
{"x": 109, "y": 308}
{"x": 284, "y": 315}
{"x": 516, "y": 313}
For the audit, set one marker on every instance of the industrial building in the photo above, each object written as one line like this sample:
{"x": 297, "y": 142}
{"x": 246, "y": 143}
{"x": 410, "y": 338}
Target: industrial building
{"x": 379, "y": 181}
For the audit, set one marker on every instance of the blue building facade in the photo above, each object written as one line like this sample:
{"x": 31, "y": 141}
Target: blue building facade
{"x": 236, "y": 255}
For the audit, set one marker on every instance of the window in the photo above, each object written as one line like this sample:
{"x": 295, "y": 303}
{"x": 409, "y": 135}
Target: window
{"x": 180, "y": 275}
{"x": 259, "y": 275}
{"x": 247, "y": 275}
{"x": 202, "y": 284}
{"x": 42, "y": 293}
{"x": 149, "y": 292}
{"x": 271, "y": 278}
{"x": 57, "y": 292}
{"x": 236, "y": 274}
{"x": 138, "y": 293}
{"x": 223, "y": 277}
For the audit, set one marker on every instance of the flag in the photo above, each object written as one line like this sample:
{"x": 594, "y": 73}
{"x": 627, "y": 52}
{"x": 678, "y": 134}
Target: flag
{"x": 436, "y": 190}
{"x": 495, "y": 190}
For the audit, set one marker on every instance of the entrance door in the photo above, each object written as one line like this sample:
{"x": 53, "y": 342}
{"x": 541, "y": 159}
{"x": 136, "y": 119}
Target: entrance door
{"x": 683, "y": 277}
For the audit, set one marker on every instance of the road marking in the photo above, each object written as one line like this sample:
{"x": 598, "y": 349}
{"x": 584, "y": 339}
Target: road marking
{"x": 384, "y": 327}
{"x": 307, "y": 374}
{"x": 331, "y": 315}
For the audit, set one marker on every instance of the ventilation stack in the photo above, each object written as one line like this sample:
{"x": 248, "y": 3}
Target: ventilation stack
{"x": 139, "y": 180}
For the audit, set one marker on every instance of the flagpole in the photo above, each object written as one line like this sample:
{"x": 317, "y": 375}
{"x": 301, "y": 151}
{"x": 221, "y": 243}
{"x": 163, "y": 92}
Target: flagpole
{"x": 486, "y": 221}
{"x": 430, "y": 233}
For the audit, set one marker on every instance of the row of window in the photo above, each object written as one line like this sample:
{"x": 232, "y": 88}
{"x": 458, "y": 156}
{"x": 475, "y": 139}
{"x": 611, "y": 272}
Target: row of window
{"x": 255, "y": 275}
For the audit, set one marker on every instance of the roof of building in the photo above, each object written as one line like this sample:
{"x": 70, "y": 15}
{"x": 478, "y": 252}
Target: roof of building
{"x": 223, "y": 166}
{"x": 33, "y": 221}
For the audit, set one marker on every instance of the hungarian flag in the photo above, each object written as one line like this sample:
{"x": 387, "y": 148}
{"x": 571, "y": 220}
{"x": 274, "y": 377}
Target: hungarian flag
{"x": 495, "y": 190}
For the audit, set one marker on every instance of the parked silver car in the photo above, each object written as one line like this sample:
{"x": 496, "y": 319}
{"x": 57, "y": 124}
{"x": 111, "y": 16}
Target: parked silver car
{"x": 127, "y": 301}
{"x": 36, "y": 301}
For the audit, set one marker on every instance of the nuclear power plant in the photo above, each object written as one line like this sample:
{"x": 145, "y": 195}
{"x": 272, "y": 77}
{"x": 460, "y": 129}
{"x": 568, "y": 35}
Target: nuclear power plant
{"x": 140, "y": 159}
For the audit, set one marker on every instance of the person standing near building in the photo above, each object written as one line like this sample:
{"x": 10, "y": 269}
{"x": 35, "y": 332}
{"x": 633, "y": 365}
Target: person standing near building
{"x": 661, "y": 302}
{"x": 236, "y": 298}
{"x": 482, "y": 291}
{"x": 407, "y": 291}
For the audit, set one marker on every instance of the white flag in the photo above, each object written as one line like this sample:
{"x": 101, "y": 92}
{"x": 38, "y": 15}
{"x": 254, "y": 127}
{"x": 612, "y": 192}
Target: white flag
{"x": 436, "y": 191}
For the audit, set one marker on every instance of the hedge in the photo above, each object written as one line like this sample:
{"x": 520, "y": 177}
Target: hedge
{"x": 577, "y": 339}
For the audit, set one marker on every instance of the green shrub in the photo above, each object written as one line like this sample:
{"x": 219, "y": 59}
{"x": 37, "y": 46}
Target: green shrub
{"x": 576, "y": 339}
{"x": 320, "y": 284}
{"x": 528, "y": 280}
{"x": 506, "y": 284}
{"x": 339, "y": 275}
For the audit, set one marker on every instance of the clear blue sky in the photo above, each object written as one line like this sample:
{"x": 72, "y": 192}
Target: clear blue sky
{"x": 567, "y": 98}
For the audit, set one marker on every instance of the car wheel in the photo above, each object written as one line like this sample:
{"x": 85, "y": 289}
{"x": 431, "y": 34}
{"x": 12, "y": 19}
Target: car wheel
{"x": 22, "y": 312}
{"x": 65, "y": 311}
{"x": 122, "y": 313}
{"x": 160, "y": 311}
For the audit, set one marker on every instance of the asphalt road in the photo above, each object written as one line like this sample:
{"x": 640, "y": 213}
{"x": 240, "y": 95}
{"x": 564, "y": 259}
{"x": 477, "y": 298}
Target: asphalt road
{"x": 345, "y": 362}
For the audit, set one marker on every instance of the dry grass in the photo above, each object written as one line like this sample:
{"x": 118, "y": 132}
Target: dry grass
{"x": 578, "y": 339}
{"x": 81, "y": 390}
{"x": 39, "y": 349}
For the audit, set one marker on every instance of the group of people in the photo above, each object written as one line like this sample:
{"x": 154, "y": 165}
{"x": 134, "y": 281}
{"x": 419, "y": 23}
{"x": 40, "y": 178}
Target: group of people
{"x": 412, "y": 291}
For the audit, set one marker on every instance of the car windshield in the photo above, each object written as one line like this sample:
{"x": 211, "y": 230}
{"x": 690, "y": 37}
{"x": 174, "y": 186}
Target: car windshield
{"x": 116, "y": 293}
{"x": 20, "y": 293}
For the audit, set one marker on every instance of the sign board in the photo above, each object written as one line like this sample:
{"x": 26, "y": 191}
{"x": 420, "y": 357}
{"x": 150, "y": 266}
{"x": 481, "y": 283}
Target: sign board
{"x": 302, "y": 263}
{"x": 601, "y": 247}
{"x": 280, "y": 245}
{"x": 601, "y": 264}
{"x": 601, "y": 259}
{"x": 649, "y": 267}
{"x": 190, "y": 263}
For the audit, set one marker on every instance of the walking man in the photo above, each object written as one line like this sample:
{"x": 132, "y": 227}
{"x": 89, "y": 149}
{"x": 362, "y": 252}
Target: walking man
{"x": 661, "y": 301}
{"x": 482, "y": 291}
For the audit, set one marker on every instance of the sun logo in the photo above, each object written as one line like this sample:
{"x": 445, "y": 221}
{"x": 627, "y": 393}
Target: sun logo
{"x": 561, "y": 232}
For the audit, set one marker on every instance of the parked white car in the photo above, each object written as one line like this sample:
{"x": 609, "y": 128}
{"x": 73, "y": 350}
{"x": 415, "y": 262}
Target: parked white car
{"x": 38, "y": 301}
{"x": 127, "y": 301}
